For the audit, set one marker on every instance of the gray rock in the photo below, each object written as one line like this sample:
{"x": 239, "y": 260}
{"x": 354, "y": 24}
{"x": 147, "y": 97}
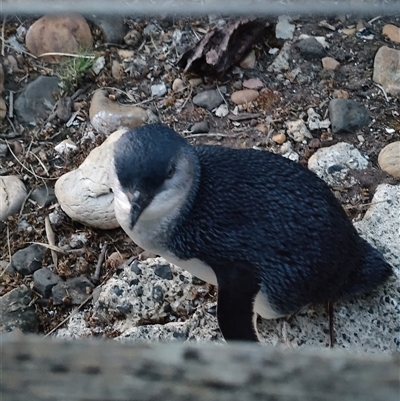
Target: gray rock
{"x": 28, "y": 260}
{"x": 333, "y": 163}
{"x": 158, "y": 90}
{"x": 297, "y": 130}
{"x": 386, "y": 69}
{"x": 200, "y": 127}
{"x": 282, "y": 60}
{"x": 310, "y": 48}
{"x": 112, "y": 27}
{"x": 284, "y": 29}
{"x": 44, "y": 280}
{"x": 37, "y": 100}
{"x": 164, "y": 271}
{"x": 3, "y": 150}
{"x": 43, "y": 195}
{"x": 347, "y": 115}
{"x": 15, "y": 312}
{"x": 72, "y": 291}
{"x": 208, "y": 99}
{"x": 12, "y": 195}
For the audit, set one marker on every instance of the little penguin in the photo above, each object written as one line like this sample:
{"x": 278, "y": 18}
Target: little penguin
{"x": 267, "y": 231}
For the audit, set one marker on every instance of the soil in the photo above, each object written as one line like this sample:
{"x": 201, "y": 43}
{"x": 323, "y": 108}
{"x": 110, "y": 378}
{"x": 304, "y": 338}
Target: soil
{"x": 283, "y": 100}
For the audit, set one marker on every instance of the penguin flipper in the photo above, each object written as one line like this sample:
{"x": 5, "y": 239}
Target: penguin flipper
{"x": 235, "y": 310}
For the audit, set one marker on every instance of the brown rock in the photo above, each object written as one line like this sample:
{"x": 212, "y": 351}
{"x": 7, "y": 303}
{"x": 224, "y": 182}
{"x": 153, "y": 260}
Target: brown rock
{"x": 349, "y": 31}
{"x": 387, "y": 69}
{"x": 389, "y": 159}
{"x": 178, "y": 85}
{"x": 340, "y": 94}
{"x": 330, "y": 63}
{"x": 279, "y": 138}
{"x": 244, "y": 96}
{"x": 249, "y": 61}
{"x": 392, "y": 32}
{"x": 58, "y": 33}
{"x": 116, "y": 70}
{"x": 108, "y": 116}
{"x": 3, "y": 108}
{"x": 253, "y": 83}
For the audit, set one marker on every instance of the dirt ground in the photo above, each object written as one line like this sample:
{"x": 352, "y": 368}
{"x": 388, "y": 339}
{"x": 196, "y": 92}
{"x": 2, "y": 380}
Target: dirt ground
{"x": 282, "y": 100}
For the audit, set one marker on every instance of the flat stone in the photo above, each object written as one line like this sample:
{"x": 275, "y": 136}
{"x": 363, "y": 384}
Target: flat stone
{"x": 347, "y": 115}
{"x": 249, "y": 61}
{"x": 281, "y": 62}
{"x": 108, "y": 116}
{"x": 12, "y": 195}
{"x": 333, "y": 163}
{"x": 329, "y": 63}
{"x": 37, "y": 100}
{"x": 387, "y": 69}
{"x": 72, "y": 291}
{"x": 44, "y": 280}
{"x": 58, "y": 34}
{"x": 84, "y": 193}
{"x": 310, "y": 48}
{"x": 244, "y": 96}
{"x": 15, "y": 312}
{"x": 208, "y": 99}
{"x": 389, "y": 159}
{"x": 392, "y": 32}
{"x": 27, "y": 260}
{"x": 298, "y": 130}
{"x": 253, "y": 83}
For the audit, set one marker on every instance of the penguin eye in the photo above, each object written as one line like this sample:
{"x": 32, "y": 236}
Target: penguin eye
{"x": 170, "y": 172}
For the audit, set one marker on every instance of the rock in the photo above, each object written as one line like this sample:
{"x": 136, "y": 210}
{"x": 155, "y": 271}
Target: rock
{"x": 3, "y": 152}
{"x": 340, "y": 94}
{"x": 64, "y": 108}
{"x": 200, "y": 127}
{"x": 72, "y": 291}
{"x": 287, "y": 151}
{"x": 98, "y": 65}
{"x": 249, "y": 61}
{"x": 381, "y": 225}
{"x": 84, "y": 194}
{"x": 314, "y": 120}
{"x": 333, "y": 163}
{"x": 158, "y": 90}
{"x": 133, "y": 37}
{"x": 43, "y": 195}
{"x": 253, "y": 83}
{"x": 27, "y": 260}
{"x": 12, "y": 195}
{"x": 392, "y": 32}
{"x": 284, "y": 29}
{"x": 65, "y": 147}
{"x": 44, "y": 280}
{"x": 163, "y": 271}
{"x": 15, "y": 312}
{"x": 347, "y": 115}
{"x": 58, "y": 33}
{"x": 281, "y": 62}
{"x": 178, "y": 85}
{"x": 195, "y": 81}
{"x": 37, "y": 100}
{"x": 116, "y": 70}
{"x": 112, "y": 27}
{"x": 3, "y": 109}
{"x": 329, "y": 63}
{"x": 386, "y": 69}
{"x": 389, "y": 159}
{"x": 349, "y": 31}
{"x": 297, "y": 130}
{"x": 244, "y": 96}
{"x": 208, "y": 99}
{"x": 108, "y": 116}
{"x": 222, "y": 110}
{"x": 310, "y": 48}
{"x": 279, "y": 138}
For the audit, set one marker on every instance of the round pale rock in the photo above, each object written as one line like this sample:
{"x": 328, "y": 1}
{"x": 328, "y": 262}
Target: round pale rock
{"x": 107, "y": 116}
{"x": 279, "y": 138}
{"x": 84, "y": 194}
{"x": 249, "y": 61}
{"x": 387, "y": 69}
{"x": 392, "y": 32}
{"x": 253, "y": 83}
{"x": 58, "y": 33}
{"x": 244, "y": 96}
{"x": 389, "y": 159}
{"x": 12, "y": 195}
{"x": 329, "y": 63}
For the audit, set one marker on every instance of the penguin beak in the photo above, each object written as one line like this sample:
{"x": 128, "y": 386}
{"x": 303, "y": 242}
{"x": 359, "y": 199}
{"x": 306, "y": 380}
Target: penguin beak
{"x": 139, "y": 202}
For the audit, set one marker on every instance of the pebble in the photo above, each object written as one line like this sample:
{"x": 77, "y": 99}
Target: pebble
{"x": 298, "y": 130}
{"x": 43, "y": 195}
{"x": 209, "y": 99}
{"x": 314, "y": 120}
{"x": 389, "y": 159}
{"x": 158, "y": 90}
{"x": 349, "y": 31}
{"x": 310, "y": 48}
{"x": 392, "y": 32}
{"x": 249, "y": 61}
{"x": 65, "y": 147}
{"x": 112, "y": 27}
{"x": 222, "y": 110}
{"x": 281, "y": 62}
{"x": 12, "y": 195}
{"x": 58, "y": 33}
{"x": 27, "y": 260}
{"x": 386, "y": 69}
{"x": 116, "y": 70}
{"x": 178, "y": 85}
{"x": 244, "y": 96}
{"x": 16, "y": 312}
{"x": 279, "y": 138}
{"x": 340, "y": 94}
{"x": 284, "y": 29}
{"x": 333, "y": 163}
{"x": 108, "y": 116}
{"x": 37, "y": 99}
{"x": 84, "y": 193}
{"x": 200, "y": 127}
{"x": 195, "y": 81}
{"x": 347, "y": 115}
{"x": 329, "y": 63}
{"x": 98, "y": 65}
{"x": 133, "y": 37}
{"x": 72, "y": 291}
{"x": 44, "y": 280}
{"x": 253, "y": 83}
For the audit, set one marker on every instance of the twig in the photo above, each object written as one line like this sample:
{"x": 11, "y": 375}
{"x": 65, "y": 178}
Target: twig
{"x": 65, "y": 54}
{"x": 383, "y": 91}
{"x": 330, "y": 320}
{"x": 348, "y": 207}
{"x": 211, "y": 134}
{"x": 52, "y": 240}
{"x": 11, "y": 105}
{"x": 40, "y": 162}
{"x": 2, "y": 36}
{"x": 96, "y": 276}
{"x": 187, "y": 97}
{"x": 9, "y": 252}
{"x": 24, "y": 202}
{"x": 52, "y": 247}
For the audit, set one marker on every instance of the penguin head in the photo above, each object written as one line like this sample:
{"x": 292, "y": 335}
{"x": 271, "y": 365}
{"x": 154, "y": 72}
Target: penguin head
{"x": 152, "y": 172}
